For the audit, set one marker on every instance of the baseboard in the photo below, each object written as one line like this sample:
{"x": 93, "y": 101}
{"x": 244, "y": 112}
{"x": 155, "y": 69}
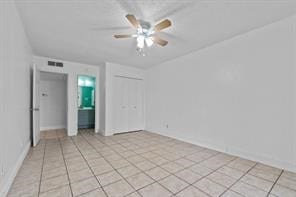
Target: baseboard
{"x": 10, "y": 176}
{"x": 235, "y": 152}
{"x": 52, "y": 127}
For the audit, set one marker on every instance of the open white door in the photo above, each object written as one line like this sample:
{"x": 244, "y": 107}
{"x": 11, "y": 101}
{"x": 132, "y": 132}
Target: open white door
{"x": 36, "y": 105}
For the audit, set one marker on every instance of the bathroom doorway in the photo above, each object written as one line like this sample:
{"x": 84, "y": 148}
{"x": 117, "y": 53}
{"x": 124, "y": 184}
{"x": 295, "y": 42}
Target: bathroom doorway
{"x": 86, "y": 103}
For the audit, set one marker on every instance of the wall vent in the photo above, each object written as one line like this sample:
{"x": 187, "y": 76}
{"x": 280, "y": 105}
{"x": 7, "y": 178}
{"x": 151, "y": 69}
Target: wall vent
{"x": 57, "y": 64}
{"x": 51, "y": 63}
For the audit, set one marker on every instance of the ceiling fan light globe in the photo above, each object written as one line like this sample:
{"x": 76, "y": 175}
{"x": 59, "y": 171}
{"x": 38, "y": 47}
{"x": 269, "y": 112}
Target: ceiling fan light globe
{"x": 149, "y": 41}
{"x": 140, "y": 41}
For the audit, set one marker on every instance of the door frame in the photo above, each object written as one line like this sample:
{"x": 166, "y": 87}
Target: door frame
{"x": 96, "y": 128}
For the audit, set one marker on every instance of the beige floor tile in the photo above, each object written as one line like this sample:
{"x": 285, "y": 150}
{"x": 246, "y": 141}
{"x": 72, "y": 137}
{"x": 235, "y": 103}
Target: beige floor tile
{"x": 135, "y": 159}
{"x": 26, "y": 191}
{"x": 236, "y": 174}
{"x": 149, "y": 155}
{"x": 281, "y": 191}
{"x": 184, "y": 162}
{"x": 119, "y": 163}
{"x": 135, "y": 194}
{"x": 128, "y": 171}
{"x": 139, "y": 180}
{"x": 97, "y": 162}
{"x": 248, "y": 190}
{"x": 264, "y": 174}
{"x": 230, "y": 193}
{"x": 173, "y": 184}
{"x": 118, "y": 189}
{"x": 257, "y": 182}
{"x": 287, "y": 182}
{"x": 268, "y": 169}
{"x": 53, "y": 183}
{"x": 77, "y": 167}
{"x": 201, "y": 170}
{"x": 80, "y": 175}
{"x": 241, "y": 164}
{"x": 154, "y": 190}
{"x": 222, "y": 179}
{"x": 209, "y": 187}
{"x": 158, "y": 160}
{"x": 289, "y": 175}
{"x": 101, "y": 169}
{"x": 172, "y": 167}
{"x": 46, "y": 174}
{"x": 84, "y": 186}
{"x": 188, "y": 175}
{"x": 59, "y": 192}
{"x": 108, "y": 178}
{"x": 192, "y": 192}
{"x": 157, "y": 173}
{"x": 95, "y": 193}
{"x": 145, "y": 165}
{"x": 127, "y": 154}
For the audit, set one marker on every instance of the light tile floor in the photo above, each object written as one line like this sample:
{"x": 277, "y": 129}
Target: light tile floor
{"x": 142, "y": 164}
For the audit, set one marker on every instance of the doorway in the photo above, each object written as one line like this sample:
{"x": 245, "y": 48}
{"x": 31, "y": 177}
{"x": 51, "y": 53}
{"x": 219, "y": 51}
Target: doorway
{"x": 53, "y": 105}
{"x": 86, "y": 103}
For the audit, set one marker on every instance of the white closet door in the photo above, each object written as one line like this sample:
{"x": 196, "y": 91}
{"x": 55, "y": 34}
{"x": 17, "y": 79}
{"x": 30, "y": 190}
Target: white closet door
{"x": 139, "y": 122}
{"x": 132, "y": 103}
{"x": 120, "y": 105}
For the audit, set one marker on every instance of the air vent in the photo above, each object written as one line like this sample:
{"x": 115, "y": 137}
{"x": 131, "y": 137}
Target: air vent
{"x": 57, "y": 64}
{"x": 51, "y": 63}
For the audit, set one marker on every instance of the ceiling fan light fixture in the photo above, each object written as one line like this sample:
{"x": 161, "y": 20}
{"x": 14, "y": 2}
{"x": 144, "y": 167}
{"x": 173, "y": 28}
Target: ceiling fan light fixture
{"x": 149, "y": 41}
{"x": 140, "y": 41}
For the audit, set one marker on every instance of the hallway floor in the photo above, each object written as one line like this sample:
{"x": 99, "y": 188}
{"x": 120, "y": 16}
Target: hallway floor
{"x": 142, "y": 164}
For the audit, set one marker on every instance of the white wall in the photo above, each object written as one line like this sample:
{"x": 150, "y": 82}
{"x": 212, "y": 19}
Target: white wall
{"x": 112, "y": 70}
{"x": 53, "y": 101}
{"x": 73, "y": 69}
{"x": 236, "y": 96}
{"x": 15, "y": 62}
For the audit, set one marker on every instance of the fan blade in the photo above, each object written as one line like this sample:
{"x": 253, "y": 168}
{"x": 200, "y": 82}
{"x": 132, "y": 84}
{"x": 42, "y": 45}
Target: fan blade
{"x": 162, "y": 25}
{"x": 132, "y": 19}
{"x": 160, "y": 41}
{"x": 124, "y": 36}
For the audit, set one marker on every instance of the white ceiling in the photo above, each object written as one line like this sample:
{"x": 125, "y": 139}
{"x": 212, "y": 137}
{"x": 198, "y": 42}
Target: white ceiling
{"x": 82, "y": 30}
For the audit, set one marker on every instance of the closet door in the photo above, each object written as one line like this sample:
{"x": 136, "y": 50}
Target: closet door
{"x": 139, "y": 121}
{"x": 132, "y": 103}
{"x": 135, "y": 99}
{"x": 120, "y": 105}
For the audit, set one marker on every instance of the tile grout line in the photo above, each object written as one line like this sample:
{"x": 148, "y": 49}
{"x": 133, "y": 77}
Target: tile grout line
{"x": 89, "y": 168}
{"x": 45, "y": 142}
{"x": 275, "y": 183}
{"x": 65, "y": 165}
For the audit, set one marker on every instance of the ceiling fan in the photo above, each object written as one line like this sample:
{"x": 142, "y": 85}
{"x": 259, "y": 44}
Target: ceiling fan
{"x": 145, "y": 34}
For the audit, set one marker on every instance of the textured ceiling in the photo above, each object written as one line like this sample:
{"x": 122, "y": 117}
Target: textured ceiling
{"x": 81, "y": 30}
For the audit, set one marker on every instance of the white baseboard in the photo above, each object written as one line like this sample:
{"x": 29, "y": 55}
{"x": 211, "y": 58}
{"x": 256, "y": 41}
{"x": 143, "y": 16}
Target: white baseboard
{"x": 52, "y": 127}
{"x": 11, "y": 174}
{"x": 235, "y": 152}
